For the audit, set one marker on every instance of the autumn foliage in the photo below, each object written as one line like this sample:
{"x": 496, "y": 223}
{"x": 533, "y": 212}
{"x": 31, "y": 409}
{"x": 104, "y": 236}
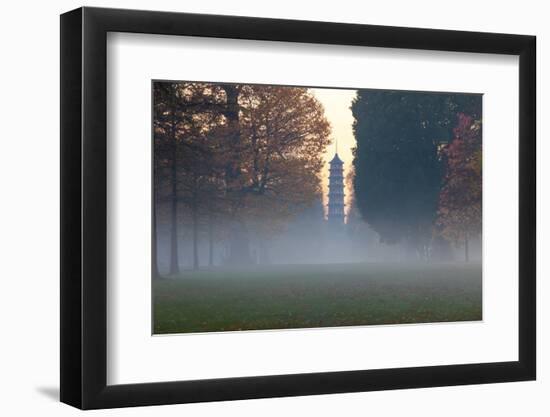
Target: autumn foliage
{"x": 236, "y": 159}
{"x": 460, "y": 200}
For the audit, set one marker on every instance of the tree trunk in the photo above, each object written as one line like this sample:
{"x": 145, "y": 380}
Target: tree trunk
{"x": 154, "y": 255}
{"x": 239, "y": 250}
{"x": 195, "y": 237}
{"x": 210, "y": 242}
{"x": 466, "y": 252}
{"x": 232, "y": 114}
{"x": 413, "y": 250}
{"x": 264, "y": 253}
{"x": 239, "y": 245}
{"x": 174, "y": 262}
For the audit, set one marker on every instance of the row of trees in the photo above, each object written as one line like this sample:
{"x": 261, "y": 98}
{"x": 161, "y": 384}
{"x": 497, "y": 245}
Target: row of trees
{"x": 235, "y": 159}
{"x": 418, "y": 166}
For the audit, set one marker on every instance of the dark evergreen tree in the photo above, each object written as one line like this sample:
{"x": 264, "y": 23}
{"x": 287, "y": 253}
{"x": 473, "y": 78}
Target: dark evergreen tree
{"x": 398, "y": 169}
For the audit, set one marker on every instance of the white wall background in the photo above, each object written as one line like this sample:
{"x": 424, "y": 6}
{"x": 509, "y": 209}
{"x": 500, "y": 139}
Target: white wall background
{"x": 29, "y": 237}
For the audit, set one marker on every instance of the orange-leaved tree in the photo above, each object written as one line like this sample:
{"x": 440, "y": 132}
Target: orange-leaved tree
{"x": 460, "y": 200}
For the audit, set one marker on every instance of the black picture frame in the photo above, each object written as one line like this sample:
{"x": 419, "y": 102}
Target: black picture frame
{"x": 84, "y": 207}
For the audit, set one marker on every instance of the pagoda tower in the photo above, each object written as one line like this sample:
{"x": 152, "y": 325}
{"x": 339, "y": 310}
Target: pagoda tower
{"x": 336, "y": 192}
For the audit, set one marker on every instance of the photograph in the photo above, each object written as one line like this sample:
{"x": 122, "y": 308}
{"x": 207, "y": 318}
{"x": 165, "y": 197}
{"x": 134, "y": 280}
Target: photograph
{"x": 294, "y": 207}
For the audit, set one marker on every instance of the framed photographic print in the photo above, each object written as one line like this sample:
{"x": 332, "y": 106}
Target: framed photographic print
{"x": 257, "y": 208}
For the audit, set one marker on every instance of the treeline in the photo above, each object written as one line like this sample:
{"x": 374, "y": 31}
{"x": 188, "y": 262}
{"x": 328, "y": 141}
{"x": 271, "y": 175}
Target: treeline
{"x": 234, "y": 160}
{"x": 418, "y": 167}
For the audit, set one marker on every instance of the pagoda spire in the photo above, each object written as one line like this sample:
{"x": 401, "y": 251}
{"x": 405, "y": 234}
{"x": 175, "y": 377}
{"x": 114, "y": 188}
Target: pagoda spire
{"x": 336, "y": 191}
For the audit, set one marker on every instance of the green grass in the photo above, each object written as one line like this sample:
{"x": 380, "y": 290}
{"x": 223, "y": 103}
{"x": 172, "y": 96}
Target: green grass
{"x": 298, "y": 296}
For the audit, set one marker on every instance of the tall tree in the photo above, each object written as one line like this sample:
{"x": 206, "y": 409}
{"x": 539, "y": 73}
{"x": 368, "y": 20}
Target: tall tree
{"x": 276, "y": 160}
{"x": 165, "y": 128}
{"x": 398, "y": 169}
{"x": 201, "y": 170}
{"x": 461, "y": 196}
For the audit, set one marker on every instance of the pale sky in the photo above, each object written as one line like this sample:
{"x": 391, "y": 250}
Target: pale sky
{"x": 337, "y": 110}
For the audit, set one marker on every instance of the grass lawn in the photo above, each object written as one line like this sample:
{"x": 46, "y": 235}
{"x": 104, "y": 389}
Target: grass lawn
{"x": 298, "y": 296}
